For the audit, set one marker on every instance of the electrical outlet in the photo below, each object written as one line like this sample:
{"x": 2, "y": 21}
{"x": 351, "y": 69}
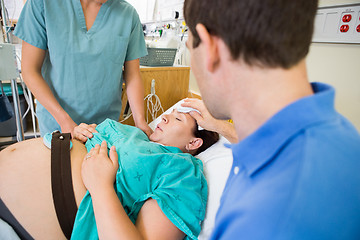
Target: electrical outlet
{"x": 344, "y": 28}
{"x": 338, "y": 24}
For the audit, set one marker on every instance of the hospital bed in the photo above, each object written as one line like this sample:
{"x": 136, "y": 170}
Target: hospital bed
{"x": 217, "y": 161}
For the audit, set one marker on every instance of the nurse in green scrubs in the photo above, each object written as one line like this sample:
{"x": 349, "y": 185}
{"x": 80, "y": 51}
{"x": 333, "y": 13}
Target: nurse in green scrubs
{"x": 75, "y": 56}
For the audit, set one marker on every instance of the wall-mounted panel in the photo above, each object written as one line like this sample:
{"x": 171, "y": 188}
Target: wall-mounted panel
{"x": 338, "y": 24}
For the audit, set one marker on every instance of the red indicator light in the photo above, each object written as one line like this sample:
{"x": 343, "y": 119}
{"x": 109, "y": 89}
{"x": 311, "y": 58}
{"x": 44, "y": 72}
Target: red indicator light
{"x": 346, "y": 18}
{"x": 358, "y": 28}
{"x": 344, "y": 28}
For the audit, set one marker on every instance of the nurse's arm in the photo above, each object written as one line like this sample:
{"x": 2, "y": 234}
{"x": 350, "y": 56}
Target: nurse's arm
{"x": 31, "y": 63}
{"x": 135, "y": 93}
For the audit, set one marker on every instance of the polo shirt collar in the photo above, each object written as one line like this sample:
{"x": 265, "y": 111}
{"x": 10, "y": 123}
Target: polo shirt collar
{"x": 258, "y": 149}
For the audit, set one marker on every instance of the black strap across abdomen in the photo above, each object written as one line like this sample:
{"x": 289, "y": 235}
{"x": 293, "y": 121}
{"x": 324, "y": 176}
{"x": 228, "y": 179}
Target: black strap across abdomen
{"x": 61, "y": 182}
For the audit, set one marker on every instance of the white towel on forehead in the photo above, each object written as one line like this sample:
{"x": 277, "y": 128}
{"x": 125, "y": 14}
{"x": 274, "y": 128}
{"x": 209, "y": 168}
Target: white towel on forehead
{"x": 186, "y": 109}
{"x": 179, "y": 108}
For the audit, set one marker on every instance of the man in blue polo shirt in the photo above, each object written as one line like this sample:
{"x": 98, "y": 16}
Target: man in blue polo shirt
{"x": 295, "y": 173}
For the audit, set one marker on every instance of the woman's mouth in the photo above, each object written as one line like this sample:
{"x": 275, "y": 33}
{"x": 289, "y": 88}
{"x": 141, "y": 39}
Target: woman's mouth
{"x": 159, "y": 128}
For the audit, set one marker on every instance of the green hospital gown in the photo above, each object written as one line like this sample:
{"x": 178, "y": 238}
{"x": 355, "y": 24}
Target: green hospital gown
{"x": 148, "y": 170}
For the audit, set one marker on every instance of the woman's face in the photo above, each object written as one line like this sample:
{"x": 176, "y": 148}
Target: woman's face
{"x": 175, "y": 129}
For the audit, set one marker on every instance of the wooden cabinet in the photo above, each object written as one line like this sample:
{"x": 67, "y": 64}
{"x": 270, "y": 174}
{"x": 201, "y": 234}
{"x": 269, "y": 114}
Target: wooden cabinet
{"x": 171, "y": 85}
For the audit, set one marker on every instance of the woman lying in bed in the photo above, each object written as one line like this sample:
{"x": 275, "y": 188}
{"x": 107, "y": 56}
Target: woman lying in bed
{"x": 162, "y": 190}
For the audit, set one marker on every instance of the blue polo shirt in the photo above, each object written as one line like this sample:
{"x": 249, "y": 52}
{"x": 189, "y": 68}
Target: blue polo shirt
{"x": 296, "y": 177}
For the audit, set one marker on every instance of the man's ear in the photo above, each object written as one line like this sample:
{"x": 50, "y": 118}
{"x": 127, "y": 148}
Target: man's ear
{"x": 194, "y": 144}
{"x": 210, "y": 45}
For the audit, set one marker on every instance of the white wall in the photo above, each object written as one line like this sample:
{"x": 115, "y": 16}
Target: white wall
{"x": 338, "y": 65}
{"x": 157, "y": 10}
{"x": 335, "y": 64}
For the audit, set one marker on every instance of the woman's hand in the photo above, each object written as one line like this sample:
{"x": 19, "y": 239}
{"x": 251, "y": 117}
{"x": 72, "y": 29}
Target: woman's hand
{"x": 84, "y": 131}
{"x": 145, "y": 128}
{"x": 98, "y": 171}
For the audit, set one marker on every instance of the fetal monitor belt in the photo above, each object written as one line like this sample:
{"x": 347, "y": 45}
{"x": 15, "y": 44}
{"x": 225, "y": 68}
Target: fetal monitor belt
{"x": 61, "y": 182}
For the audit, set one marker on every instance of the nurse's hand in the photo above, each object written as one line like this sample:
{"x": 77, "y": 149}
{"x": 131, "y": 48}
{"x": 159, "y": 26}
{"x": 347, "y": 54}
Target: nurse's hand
{"x": 98, "y": 171}
{"x": 67, "y": 126}
{"x": 84, "y": 131}
{"x": 145, "y": 128}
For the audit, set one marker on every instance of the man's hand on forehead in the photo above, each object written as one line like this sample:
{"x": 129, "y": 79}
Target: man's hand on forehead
{"x": 186, "y": 109}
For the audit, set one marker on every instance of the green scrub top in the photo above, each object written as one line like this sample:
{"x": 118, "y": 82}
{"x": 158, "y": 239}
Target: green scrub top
{"x": 148, "y": 170}
{"x": 82, "y": 67}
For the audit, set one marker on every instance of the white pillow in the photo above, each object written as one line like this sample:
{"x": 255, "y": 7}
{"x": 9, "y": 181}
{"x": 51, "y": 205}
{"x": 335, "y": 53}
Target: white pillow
{"x": 217, "y": 161}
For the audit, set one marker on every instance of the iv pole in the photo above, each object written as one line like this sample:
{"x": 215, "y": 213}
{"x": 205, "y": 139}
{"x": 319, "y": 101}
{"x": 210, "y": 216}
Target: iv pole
{"x": 14, "y": 89}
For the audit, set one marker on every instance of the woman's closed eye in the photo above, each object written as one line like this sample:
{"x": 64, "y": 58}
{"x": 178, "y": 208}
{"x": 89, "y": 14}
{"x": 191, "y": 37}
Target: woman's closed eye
{"x": 178, "y": 119}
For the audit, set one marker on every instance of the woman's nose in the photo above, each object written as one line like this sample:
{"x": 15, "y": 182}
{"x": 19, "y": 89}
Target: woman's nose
{"x": 165, "y": 118}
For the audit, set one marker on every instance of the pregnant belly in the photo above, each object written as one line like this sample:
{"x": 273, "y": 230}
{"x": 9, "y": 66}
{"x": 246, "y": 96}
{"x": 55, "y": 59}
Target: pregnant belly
{"x": 25, "y": 185}
{"x": 77, "y": 155}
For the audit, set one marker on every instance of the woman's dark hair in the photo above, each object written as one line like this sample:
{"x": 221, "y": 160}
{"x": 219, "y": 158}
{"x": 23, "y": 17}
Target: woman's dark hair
{"x": 268, "y": 33}
{"x": 208, "y": 137}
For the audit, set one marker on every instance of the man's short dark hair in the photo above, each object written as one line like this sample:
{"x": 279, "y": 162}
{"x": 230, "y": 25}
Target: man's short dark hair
{"x": 269, "y": 33}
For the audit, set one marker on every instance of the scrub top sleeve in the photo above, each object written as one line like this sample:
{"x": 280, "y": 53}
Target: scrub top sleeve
{"x": 31, "y": 26}
{"x": 137, "y": 47}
